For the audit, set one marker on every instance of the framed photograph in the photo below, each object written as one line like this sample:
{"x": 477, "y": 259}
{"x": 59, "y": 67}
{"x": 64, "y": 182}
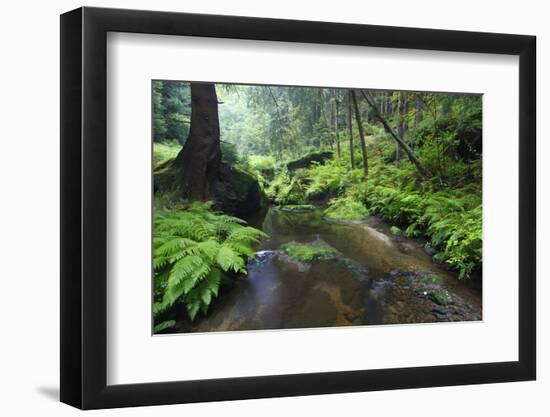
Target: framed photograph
{"x": 257, "y": 208}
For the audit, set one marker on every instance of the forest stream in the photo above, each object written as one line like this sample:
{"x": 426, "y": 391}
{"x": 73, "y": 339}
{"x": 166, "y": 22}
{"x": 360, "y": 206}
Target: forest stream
{"x": 375, "y": 277}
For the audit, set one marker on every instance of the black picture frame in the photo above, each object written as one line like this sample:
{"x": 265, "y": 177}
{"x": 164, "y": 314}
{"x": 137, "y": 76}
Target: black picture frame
{"x": 84, "y": 207}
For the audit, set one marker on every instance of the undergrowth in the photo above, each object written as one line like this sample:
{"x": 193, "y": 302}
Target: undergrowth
{"x": 193, "y": 247}
{"x": 449, "y": 214}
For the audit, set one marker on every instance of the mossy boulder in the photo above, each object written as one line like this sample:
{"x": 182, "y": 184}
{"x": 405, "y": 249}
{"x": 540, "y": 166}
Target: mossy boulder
{"x": 298, "y": 208}
{"x": 441, "y": 297}
{"x": 233, "y": 191}
{"x": 303, "y": 252}
{"x": 237, "y": 192}
{"x": 308, "y": 160}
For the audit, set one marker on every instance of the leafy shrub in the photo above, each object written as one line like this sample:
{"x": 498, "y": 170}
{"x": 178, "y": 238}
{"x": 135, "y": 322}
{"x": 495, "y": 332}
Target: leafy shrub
{"x": 325, "y": 180}
{"x": 229, "y": 153}
{"x": 192, "y": 248}
{"x": 285, "y": 189}
{"x": 261, "y": 167}
{"x": 261, "y": 163}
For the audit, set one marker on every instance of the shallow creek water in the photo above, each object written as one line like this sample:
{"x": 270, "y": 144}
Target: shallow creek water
{"x": 393, "y": 281}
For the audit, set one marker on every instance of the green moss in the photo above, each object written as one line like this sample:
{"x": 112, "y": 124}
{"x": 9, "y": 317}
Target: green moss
{"x": 302, "y": 252}
{"x": 346, "y": 209}
{"x": 307, "y": 160}
{"x": 243, "y": 180}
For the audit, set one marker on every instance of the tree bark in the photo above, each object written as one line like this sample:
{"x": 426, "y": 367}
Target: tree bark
{"x": 350, "y": 127}
{"x": 361, "y": 135}
{"x": 400, "y": 130}
{"x": 418, "y": 105}
{"x": 336, "y": 104}
{"x": 200, "y": 158}
{"x": 413, "y": 158}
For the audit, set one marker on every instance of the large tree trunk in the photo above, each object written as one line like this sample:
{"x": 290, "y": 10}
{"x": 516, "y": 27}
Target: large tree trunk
{"x": 361, "y": 135}
{"x": 200, "y": 158}
{"x": 413, "y": 158}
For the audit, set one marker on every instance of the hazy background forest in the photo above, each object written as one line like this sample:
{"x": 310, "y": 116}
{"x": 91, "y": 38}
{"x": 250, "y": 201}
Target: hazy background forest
{"x": 325, "y": 160}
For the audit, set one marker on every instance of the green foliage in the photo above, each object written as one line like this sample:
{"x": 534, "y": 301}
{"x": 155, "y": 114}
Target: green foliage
{"x": 264, "y": 129}
{"x": 286, "y": 189}
{"x": 261, "y": 167}
{"x": 452, "y": 218}
{"x": 163, "y": 152}
{"x": 346, "y": 208}
{"x": 396, "y": 231}
{"x": 326, "y": 180}
{"x": 229, "y": 153}
{"x": 168, "y": 324}
{"x": 171, "y": 111}
{"x": 192, "y": 248}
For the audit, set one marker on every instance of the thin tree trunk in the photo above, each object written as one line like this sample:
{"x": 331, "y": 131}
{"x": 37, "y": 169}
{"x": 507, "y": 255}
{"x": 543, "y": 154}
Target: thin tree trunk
{"x": 201, "y": 156}
{"x": 418, "y": 106}
{"x": 399, "y": 124}
{"x": 336, "y": 104}
{"x": 361, "y": 134}
{"x": 413, "y": 158}
{"x": 350, "y": 126}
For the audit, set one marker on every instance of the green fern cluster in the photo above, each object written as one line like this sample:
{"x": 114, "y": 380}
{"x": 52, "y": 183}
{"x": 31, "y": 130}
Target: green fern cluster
{"x": 346, "y": 208}
{"x": 192, "y": 248}
{"x": 286, "y": 189}
{"x": 452, "y": 218}
{"x": 326, "y": 180}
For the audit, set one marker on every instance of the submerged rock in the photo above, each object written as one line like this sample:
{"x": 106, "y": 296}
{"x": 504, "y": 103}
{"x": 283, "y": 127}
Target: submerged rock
{"x": 428, "y": 248}
{"x": 304, "y": 254}
{"x": 298, "y": 208}
{"x": 442, "y": 297}
{"x": 433, "y": 297}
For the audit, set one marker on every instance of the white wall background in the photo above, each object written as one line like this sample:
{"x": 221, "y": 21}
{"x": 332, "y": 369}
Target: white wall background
{"x": 29, "y": 225}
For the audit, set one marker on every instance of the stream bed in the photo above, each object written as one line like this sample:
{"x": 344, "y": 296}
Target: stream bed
{"x": 379, "y": 278}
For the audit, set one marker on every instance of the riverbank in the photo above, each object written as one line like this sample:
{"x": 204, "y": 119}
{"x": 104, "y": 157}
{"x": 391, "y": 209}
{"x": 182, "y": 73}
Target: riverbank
{"x": 373, "y": 277}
